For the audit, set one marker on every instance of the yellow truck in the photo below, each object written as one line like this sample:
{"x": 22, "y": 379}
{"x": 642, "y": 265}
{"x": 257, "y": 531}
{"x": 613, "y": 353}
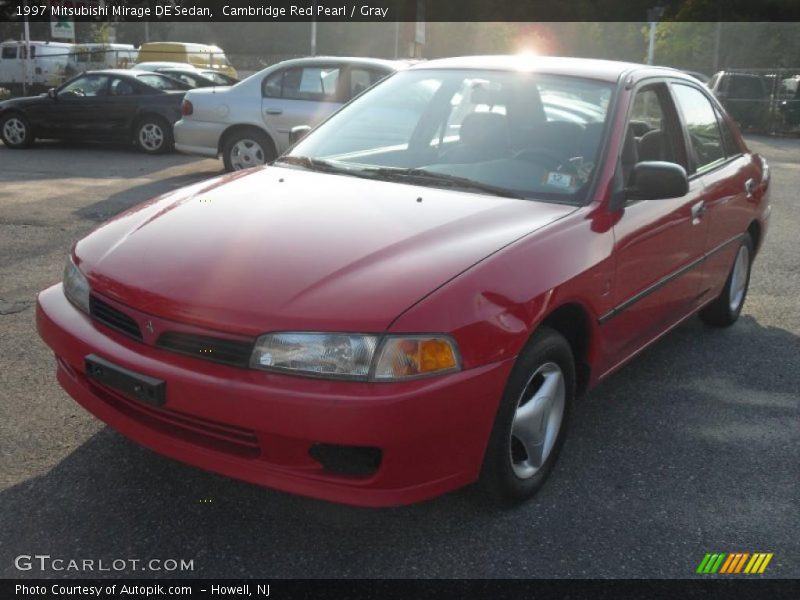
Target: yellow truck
{"x": 203, "y": 56}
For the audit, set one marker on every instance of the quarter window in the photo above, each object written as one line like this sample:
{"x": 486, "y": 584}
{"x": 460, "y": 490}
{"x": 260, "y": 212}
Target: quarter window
{"x": 701, "y": 124}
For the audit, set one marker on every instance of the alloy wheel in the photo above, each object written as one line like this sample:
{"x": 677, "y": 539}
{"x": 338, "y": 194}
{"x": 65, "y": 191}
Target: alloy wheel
{"x": 15, "y": 131}
{"x": 537, "y": 420}
{"x": 151, "y": 137}
{"x": 246, "y": 153}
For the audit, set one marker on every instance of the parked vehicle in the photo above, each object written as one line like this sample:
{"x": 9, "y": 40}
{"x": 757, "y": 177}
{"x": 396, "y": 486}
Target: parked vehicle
{"x": 199, "y": 55}
{"x": 163, "y": 66}
{"x": 46, "y": 66}
{"x": 412, "y": 298}
{"x": 108, "y": 105}
{"x": 789, "y": 102}
{"x": 249, "y": 124}
{"x": 745, "y": 96}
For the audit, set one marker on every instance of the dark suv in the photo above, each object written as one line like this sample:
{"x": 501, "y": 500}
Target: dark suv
{"x": 745, "y": 96}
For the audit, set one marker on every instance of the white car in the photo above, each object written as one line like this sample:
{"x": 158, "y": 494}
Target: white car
{"x": 249, "y": 123}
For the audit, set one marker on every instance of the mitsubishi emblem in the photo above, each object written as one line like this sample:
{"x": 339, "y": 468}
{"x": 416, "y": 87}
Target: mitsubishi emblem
{"x": 149, "y": 326}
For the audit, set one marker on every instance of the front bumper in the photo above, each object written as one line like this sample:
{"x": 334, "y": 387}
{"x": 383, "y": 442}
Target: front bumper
{"x": 259, "y": 427}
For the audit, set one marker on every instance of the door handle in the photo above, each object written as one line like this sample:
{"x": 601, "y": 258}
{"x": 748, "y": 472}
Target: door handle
{"x": 698, "y": 210}
{"x": 273, "y": 111}
{"x": 749, "y": 187}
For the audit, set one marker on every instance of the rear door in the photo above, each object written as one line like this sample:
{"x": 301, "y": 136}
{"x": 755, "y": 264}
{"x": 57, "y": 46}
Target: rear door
{"x": 302, "y": 95}
{"x": 659, "y": 244}
{"x": 729, "y": 175}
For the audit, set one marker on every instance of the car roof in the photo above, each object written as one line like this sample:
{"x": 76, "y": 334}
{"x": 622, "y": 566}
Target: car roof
{"x": 590, "y": 68}
{"x": 358, "y": 60}
{"x": 161, "y": 64}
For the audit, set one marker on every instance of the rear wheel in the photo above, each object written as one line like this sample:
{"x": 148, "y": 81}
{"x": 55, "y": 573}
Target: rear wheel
{"x": 531, "y": 421}
{"x": 153, "y": 135}
{"x": 726, "y": 308}
{"x": 247, "y": 148}
{"x": 16, "y": 131}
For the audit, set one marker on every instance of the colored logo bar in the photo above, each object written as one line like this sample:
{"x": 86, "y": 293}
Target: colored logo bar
{"x": 734, "y": 562}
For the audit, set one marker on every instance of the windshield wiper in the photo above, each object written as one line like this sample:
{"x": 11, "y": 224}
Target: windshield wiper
{"x": 307, "y": 162}
{"x": 322, "y": 166}
{"x": 454, "y": 181}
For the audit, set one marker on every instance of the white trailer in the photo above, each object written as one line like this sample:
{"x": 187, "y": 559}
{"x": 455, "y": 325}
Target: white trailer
{"x": 46, "y": 66}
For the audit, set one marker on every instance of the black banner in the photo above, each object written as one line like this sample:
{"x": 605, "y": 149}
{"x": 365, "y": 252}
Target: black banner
{"x": 178, "y": 589}
{"x": 397, "y": 10}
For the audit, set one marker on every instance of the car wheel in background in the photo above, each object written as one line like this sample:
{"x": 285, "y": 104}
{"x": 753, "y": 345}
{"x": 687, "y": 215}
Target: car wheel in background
{"x": 725, "y": 309}
{"x": 16, "y": 131}
{"x": 245, "y": 149}
{"x": 153, "y": 135}
{"x": 531, "y": 421}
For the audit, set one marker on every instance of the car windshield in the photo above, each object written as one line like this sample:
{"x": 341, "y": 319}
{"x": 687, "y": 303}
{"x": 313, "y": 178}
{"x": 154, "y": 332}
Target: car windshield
{"x": 509, "y": 133}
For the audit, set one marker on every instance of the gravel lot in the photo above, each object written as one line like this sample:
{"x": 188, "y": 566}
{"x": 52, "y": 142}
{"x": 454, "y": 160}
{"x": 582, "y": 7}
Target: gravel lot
{"x": 692, "y": 448}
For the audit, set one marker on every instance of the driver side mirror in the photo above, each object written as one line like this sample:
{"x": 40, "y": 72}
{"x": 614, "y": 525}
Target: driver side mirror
{"x": 657, "y": 180}
{"x": 297, "y": 133}
{"x": 52, "y": 93}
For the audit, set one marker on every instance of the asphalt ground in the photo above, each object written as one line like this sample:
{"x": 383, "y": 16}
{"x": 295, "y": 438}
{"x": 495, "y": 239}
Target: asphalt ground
{"x": 691, "y": 448}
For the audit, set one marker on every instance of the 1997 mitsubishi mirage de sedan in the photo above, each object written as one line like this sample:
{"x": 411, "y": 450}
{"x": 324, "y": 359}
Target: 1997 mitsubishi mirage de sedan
{"x": 412, "y": 298}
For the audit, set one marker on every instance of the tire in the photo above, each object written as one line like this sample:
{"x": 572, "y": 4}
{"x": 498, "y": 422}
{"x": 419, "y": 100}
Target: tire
{"x": 247, "y": 148}
{"x": 544, "y": 377}
{"x": 16, "y": 131}
{"x": 726, "y": 308}
{"x": 153, "y": 135}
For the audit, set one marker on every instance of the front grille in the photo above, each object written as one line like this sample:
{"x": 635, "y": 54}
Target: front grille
{"x": 228, "y": 352}
{"x": 113, "y": 318}
{"x": 195, "y": 430}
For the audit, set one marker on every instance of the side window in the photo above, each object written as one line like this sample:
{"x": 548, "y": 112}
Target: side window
{"x": 311, "y": 83}
{"x": 729, "y": 143}
{"x": 273, "y": 84}
{"x": 651, "y": 133}
{"x": 746, "y": 87}
{"x": 89, "y": 86}
{"x": 121, "y": 87}
{"x": 361, "y": 79}
{"x": 159, "y": 82}
{"x": 9, "y": 52}
{"x": 702, "y": 126}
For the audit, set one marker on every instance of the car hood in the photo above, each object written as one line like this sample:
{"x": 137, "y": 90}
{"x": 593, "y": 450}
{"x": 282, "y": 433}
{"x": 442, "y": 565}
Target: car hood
{"x": 24, "y": 102}
{"x": 287, "y": 249}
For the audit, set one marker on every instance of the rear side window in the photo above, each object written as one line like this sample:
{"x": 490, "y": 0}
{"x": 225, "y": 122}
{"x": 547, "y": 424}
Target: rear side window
{"x": 159, "y": 82}
{"x": 743, "y": 87}
{"x": 361, "y": 79}
{"x": 728, "y": 140}
{"x": 9, "y": 52}
{"x": 699, "y": 116}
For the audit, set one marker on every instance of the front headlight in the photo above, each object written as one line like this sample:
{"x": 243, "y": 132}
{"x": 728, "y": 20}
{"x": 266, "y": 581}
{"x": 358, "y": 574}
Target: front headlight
{"x": 76, "y": 288}
{"x": 355, "y": 356}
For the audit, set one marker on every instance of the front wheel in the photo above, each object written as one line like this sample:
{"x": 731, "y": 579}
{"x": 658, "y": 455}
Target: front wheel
{"x": 153, "y": 135}
{"x": 16, "y": 131}
{"x": 531, "y": 421}
{"x": 726, "y": 308}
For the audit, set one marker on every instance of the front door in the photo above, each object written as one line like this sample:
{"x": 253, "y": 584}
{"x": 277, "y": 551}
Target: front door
{"x": 659, "y": 244}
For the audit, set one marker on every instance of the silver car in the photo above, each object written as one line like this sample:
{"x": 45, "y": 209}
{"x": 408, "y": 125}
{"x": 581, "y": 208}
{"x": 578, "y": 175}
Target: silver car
{"x": 249, "y": 123}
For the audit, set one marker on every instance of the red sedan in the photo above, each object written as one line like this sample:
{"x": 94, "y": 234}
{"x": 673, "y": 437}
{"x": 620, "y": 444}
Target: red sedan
{"x": 412, "y": 298}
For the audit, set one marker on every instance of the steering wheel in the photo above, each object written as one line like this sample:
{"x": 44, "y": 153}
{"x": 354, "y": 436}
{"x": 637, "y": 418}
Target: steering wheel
{"x": 553, "y": 161}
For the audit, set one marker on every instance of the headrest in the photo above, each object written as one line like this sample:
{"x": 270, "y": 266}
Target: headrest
{"x": 483, "y": 127}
